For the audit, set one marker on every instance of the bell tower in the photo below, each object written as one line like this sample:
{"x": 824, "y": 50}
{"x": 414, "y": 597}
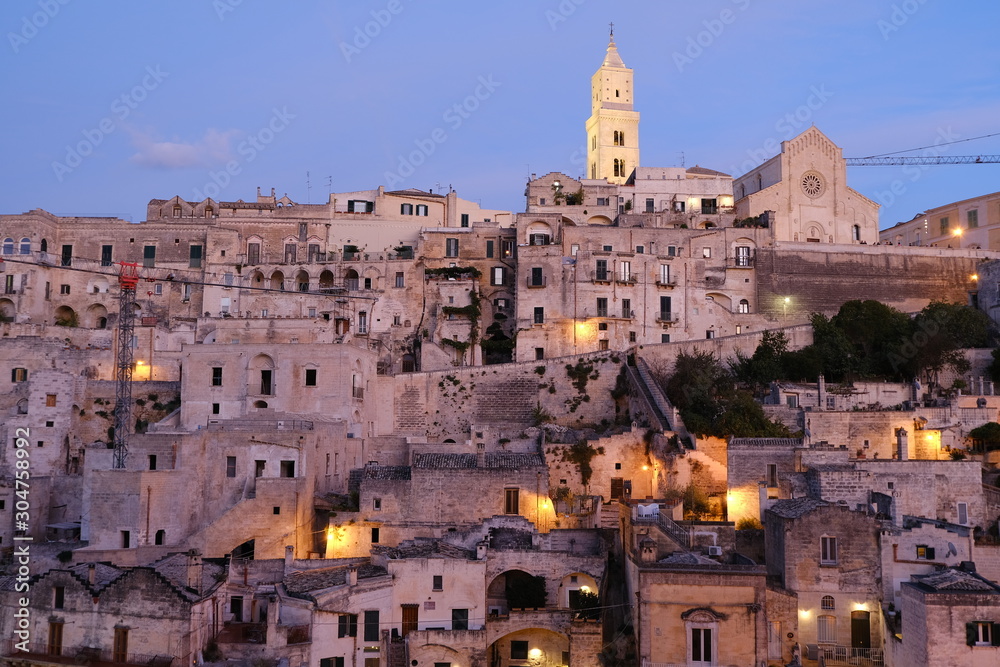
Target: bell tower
{"x": 613, "y": 126}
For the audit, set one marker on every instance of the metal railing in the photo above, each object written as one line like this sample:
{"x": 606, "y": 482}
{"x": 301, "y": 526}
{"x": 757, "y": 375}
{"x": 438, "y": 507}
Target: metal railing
{"x": 837, "y": 656}
{"x": 664, "y": 316}
{"x": 677, "y": 533}
{"x": 536, "y": 281}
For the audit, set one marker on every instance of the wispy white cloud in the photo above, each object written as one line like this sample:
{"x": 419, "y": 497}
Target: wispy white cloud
{"x": 214, "y": 148}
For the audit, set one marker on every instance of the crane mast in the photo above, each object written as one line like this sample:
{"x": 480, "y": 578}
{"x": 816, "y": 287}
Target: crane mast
{"x": 128, "y": 279}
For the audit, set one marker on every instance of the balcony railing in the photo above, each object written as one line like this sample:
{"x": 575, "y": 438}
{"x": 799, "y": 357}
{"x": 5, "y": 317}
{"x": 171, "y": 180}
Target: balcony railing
{"x": 740, "y": 262}
{"x": 837, "y": 656}
{"x": 536, "y": 281}
{"x": 600, "y": 276}
{"x": 666, "y": 317}
{"x": 627, "y": 279}
{"x": 82, "y": 655}
{"x": 669, "y": 283}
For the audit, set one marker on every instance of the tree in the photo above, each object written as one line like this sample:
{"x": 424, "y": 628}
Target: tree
{"x": 743, "y": 417}
{"x": 940, "y": 332}
{"x": 986, "y": 437}
{"x": 695, "y": 387}
{"x": 766, "y": 365}
{"x": 876, "y": 333}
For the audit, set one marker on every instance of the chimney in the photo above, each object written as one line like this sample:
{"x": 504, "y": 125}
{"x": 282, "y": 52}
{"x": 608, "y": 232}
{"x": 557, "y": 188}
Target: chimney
{"x": 194, "y": 569}
{"x": 902, "y": 447}
{"x": 352, "y": 577}
{"x": 821, "y": 392}
{"x": 289, "y": 556}
{"x": 481, "y": 550}
{"x": 91, "y": 573}
{"x": 480, "y": 454}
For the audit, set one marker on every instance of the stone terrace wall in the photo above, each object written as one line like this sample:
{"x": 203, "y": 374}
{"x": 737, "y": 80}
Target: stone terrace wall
{"x": 903, "y": 277}
{"x": 445, "y": 404}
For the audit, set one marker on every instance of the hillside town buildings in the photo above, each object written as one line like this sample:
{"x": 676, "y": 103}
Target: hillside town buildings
{"x": 399, "y": 428}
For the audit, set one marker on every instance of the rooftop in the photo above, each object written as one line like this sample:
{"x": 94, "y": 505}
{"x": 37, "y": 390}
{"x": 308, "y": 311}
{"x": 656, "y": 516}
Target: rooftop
{"x": 495, "y": 460}
{"x": 796, "y": 507}
{"x": 952, "y": 580}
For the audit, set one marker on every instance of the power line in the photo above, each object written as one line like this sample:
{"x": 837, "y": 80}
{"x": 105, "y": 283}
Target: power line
{"x": 946, "y": 143}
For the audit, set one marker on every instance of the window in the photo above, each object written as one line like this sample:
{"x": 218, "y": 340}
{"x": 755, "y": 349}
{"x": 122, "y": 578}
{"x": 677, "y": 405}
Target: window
{"x": 498, "y": 275}
{"x": 18, "y": 375}
{"x": 665, "y": 314}
{"x": 347, "y": 625}
{"x": 265, "y": 382}
{"x": 925, "y": 552}
{"x": 253, "y": 254}
{"x": 743, "y": 256}
{"x": 828, "y": 550}
{"x": 856, "y": 233}
{"x": 601, "y": 273}
{"x": 50, "y": 400}
{"x": 510, "y": 501}
{"x": 422, "y": 210}
{"x": 982, "y": 633}
{"x": 963, "y": 514}
{"x": 626, "y": 308}
{"x": 360, "y": 206}
{"x": 67, "y": 255}
{"x": 772, "y": 475}
{"x": 194, "y": 259}
{"x": 465, "y": 219}
{"x": 159, "y": 537}
{"x": 537, "y": 278}
{"x": 826, "y": 629}
{"x": 8, "y": 246}
{"x": 290, "y": 249}
{"x": 489, "y": 249}
{"x": 230, "y": 466}
{"x": 332, "y": 662}
{"x": 602, "y": 307}
{"x": 55, "y": 643}
{"x": 377, "y": 504}
{"x": 706, "y": 253}
{"x": 375, "y": 535}
{"x": 609, "y": 248}
{"x": 539, "y": 239}
{"x": 743, "y": 307}
{"x": 216, "y": 408}
{"x": 506, "y": 249}
{"x": 58, "y": 597}
{"x": 25, "y": 246}
{"x": 650, "y": 205}
{"x": 64, "y": 289}
{"x": 944, "y": 225}
{"x": 709, "y": 207}
{"x": 625, "y": 271}
{"x": 437, "y": 583}
{"x": 827, "y": 603}
{"x": 126, "y": 539}
{"x": 518, "y": 649}
{"x": 701, "y": 646}
{"x": 664, "y": 274}
{"x": 310, "y": 377}
{"x": 539, "y": 315}
{"x": 459, "y": 619}
{"x": 640, "y": 249}
{"x": 149, "y": 256}
{"x": 539, "y": 353}
{"x": 451, "y": 247}
{"x": 106, "y": 255}
{"x": 8, "y": 286}
{"x": 631, "y": 337}
{"x": 371, "y": 626}
{"x": 972, "y": 217}
{"x": 287, "y": 469}
{"x": 792, "y": 400}
{"x": 217, "y": 376}
{"x": 406, "y": 209}
{"x": 709, "y": 334}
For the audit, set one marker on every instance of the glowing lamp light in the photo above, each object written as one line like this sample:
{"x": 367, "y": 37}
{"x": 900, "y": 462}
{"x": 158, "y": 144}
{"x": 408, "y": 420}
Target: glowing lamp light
{"x": 974, "y": 277}
{"x": 585, "y": 589}
{"x": 958, "y": 231}
{"x": 535, "y": 653}
{"x": 139, "y": 362}
{"x": 860, "y": 606}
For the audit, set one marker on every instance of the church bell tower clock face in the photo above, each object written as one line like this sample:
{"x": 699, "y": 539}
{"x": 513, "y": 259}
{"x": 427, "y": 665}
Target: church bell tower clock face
{"x": 812, "y": 184}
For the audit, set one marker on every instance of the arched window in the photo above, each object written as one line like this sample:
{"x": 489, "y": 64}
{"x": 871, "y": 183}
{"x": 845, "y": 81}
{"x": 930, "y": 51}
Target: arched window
{"x": 856, "y": 233}
{"x": 44, "y": 247}
{"x": 828, "y": 603}
{"x": 618, "y": 168}
{"x": 8, "y": 246}
{"x": 743, "y": 307}
{"x": 177, "y": 210}
{"x": 25, "y": 246}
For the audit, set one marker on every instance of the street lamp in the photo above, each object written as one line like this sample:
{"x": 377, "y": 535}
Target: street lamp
{"x": 784, "y": 306}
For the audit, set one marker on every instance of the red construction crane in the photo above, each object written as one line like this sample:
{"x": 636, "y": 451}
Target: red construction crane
{"x": 128, "y": 279}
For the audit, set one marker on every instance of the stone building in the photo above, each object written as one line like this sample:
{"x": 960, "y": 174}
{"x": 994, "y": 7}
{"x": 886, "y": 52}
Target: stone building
{"x": 969, "y": 223}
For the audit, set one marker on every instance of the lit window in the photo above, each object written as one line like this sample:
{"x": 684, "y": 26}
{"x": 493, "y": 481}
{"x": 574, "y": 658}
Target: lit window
{"x": 828, "y": 603}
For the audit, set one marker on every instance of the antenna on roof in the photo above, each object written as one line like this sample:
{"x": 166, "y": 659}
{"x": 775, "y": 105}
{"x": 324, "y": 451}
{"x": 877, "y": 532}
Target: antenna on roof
{"x": 329, "y": 185}
{"x": 308, "y": 189}
{"x": 682, "y": 158}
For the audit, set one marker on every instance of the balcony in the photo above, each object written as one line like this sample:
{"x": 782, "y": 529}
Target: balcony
{"x": 535, "y": 282}
{"x": 81, "y": 655}
{"x": 740, "y": 262}
{"x": 627, "y": 279}
{"x": 600, "y": 276}
{"x": 667, "y": 318}
{"x": 243, "y": 633}
{"x": 669, "y": 283}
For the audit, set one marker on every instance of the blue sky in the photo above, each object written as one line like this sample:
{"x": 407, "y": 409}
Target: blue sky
{"x": 109, "y": 104}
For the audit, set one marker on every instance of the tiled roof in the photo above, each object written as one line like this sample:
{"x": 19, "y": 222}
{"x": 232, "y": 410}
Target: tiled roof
{"x": 495, "y": 460}
{"x": 303, "y": 583}
{"x": 766, "y": 442}
{"x": 796, "y": 507}
{"x": 956, "y": 580}
{"x": 104, "y": 573}
{"x": 175, "y": 569}
{"x": 425, "y": 549}
{"x": 704, "y": 171}
{"x": 387, "y": 472}
{"x": 687, "y": 558}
